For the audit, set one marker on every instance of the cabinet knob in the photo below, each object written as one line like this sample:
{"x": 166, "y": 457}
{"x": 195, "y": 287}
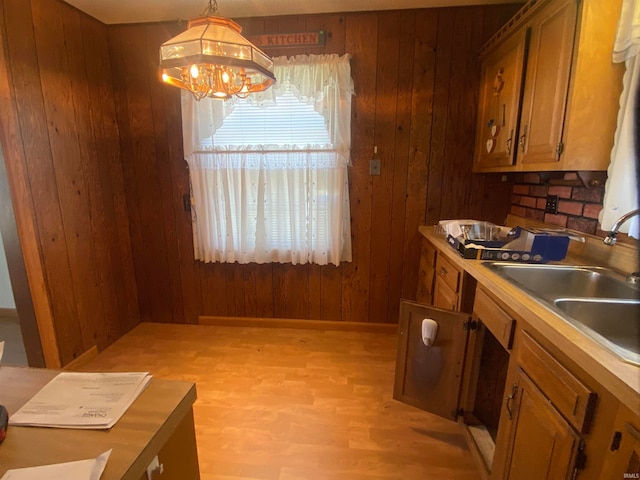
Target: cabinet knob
{"x": 443, "y": 271}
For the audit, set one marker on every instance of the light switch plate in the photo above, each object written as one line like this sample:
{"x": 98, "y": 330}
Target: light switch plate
{"x": 374, "y": 166}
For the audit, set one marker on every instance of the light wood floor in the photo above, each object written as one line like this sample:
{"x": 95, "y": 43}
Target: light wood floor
{"x": 290, "y": 404}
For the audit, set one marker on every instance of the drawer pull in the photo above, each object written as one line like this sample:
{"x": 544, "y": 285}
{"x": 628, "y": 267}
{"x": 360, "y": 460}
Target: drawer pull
{"x": 509, "y": 398}
{"x": 443, "y": 271}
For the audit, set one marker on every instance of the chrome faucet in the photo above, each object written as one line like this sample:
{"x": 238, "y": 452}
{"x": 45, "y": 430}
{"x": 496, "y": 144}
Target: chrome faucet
{"x": 611, "y": 237}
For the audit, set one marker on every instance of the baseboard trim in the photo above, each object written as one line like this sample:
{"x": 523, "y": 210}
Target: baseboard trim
{"x": 80, "y": 361}
{"x": 8, "y": 312}
{"x": 298, "y": 323}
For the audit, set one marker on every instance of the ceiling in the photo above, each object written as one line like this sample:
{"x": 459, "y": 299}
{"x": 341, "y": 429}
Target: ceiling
{"x": 134, "y": 11}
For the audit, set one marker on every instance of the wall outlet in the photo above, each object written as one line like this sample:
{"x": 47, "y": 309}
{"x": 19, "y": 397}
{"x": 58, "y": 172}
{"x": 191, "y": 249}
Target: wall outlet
{"x": 552, "y": 204}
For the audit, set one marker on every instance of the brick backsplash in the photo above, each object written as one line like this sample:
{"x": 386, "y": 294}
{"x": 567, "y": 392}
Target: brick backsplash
{"x": 578, "y": 207}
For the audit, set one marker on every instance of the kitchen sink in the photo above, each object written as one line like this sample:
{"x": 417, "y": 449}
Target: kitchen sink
{"x": 613, "y": 322}
{"x": 596, "y": 300}
{"x": 553, "y": 281}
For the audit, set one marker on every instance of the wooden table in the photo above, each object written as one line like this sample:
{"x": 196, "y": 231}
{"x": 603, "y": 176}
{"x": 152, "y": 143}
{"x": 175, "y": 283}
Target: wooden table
{"x": 160, "y": 422}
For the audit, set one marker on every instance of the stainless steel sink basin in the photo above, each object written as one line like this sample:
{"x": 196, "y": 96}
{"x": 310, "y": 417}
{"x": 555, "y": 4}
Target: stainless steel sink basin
{"x": 596, "y": 300}
{"x": 614, "y": 323}
{"x": 553, "y": 281}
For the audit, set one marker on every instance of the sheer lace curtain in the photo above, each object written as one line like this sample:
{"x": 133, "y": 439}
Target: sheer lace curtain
{"x": 284, "y": 202}
{"x": 621, "y": 190}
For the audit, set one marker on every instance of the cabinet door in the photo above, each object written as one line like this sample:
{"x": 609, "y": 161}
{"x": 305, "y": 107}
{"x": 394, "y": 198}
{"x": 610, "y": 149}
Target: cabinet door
{"x": 547, "y": 83}
{"x": 541, "y": 445}
{"x": 429, "y": 378}
{"x": 500, "y": 95}
{"x": 623, "y": 459}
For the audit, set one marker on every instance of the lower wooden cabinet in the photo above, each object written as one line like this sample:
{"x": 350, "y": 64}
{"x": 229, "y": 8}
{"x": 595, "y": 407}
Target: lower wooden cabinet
{"x": 623, "y": 459}
{"x": 429, "y": 377}
{"x": 541, "y": 445}
{"x": 461, "y": 376}
{"x": 179, "y": 456}
{"x": 529, "y": 411}
{"x": 426, "y": 273}
{"x": 545, "y": 410}
{"x": 441, "y": 283}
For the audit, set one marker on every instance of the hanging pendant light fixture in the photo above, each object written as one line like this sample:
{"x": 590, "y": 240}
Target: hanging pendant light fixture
{"x": 212, "y": 59}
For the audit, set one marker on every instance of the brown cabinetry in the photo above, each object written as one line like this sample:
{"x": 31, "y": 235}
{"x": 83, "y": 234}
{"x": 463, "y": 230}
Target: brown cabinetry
{"x": 429, "y": 377}
{"x": 499, "y": 109}
{"x": 542, "y": 445}
{"x": 569, "y": 81}
{"x": 426, "y": 273}
{"x": 462, "y": 374}
{"x": 530, "y": 406}
{"x": 623, "y": 458}
{"x": 545, "y": 93}
{"x": 441, "y": 283}
{"x": 545, "y": 411}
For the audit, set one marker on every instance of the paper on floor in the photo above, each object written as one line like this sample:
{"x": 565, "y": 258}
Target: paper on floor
{"x": 82, "y": 400}
{"x": 81, "y": 470}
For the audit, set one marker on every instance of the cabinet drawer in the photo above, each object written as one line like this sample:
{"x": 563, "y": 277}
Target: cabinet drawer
{"x": 444, "y": 297}
{"x": 426, "y": 274}
{"x": 428, "y": 254}
{"x": 495, "y": 319}
{"x": 569, "y": 395}
{"x": 447, "y": 273}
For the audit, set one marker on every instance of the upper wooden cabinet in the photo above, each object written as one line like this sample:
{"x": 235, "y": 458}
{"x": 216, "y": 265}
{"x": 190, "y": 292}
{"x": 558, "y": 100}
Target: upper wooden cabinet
{"x": 545, "y": 94}
{"x": 555, "y": 106}
{"x": 500, "y": 94}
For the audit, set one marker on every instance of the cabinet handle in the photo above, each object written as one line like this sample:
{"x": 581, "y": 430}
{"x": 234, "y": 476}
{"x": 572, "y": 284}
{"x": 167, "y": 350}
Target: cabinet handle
{"x": 509, "y": 398}
{"x": 523, "y": 138}
{"x": 509, "y": 142}
{"x": 443, "y": 271}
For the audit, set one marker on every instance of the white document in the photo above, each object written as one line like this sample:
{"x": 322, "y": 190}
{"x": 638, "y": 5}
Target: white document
{"x": 1, "y": 350}
{"x": 80, "y": 470}
{"x": 82, "y": 400}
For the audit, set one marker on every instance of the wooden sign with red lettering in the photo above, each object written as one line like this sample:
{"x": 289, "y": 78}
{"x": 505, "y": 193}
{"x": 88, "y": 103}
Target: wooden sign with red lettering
{"x": 284, "y": 40}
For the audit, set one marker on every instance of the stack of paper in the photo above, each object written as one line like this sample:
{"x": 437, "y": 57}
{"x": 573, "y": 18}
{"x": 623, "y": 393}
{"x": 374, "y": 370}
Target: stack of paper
{"x": 81, "y": 470}
{"x": 82, "y": 400}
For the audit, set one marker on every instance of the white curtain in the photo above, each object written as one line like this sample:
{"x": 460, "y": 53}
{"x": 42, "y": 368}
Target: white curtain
{"x": 621, "y": 190}
{"x": 266, "y": 203}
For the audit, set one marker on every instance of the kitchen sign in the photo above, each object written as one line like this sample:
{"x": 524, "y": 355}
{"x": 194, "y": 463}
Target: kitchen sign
{"x": 286, "y": 40}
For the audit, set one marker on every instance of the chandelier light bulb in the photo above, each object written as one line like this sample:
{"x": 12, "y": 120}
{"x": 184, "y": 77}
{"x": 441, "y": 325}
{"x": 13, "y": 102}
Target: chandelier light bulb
{"x": 195, "y": 71}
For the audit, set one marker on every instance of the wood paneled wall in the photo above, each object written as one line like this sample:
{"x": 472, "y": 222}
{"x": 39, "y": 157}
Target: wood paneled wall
{"x": 62, "y": 152}
{"x": 416, "y": 78}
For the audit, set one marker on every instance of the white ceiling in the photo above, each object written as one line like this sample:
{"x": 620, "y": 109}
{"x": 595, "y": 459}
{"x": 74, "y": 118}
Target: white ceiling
{"x": 134, "y": 11}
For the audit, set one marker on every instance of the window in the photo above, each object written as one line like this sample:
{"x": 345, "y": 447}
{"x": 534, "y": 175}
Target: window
{"x": 269, "y": 173}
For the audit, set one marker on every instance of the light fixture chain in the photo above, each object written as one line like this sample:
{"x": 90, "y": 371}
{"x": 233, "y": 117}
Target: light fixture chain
{"x": 212, "y": 8}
